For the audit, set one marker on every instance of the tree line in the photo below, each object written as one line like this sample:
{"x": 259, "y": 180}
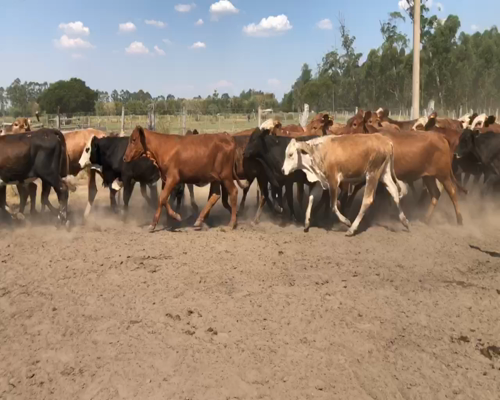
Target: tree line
{"x": 458, "y": 70}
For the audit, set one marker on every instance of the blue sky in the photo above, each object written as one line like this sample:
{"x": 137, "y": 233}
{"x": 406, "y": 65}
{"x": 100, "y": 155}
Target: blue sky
{"x": 59, "y": 39}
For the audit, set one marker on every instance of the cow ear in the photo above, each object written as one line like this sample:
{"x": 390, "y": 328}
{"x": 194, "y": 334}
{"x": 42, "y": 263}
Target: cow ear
{"x": 195, "y": 132}
{"x": 367, "y": 116}
{"x": 472, "y": 118}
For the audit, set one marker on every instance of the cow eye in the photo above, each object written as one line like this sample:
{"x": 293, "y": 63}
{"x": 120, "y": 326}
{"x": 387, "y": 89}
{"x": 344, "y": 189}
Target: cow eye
{"x": 87, "y": 150}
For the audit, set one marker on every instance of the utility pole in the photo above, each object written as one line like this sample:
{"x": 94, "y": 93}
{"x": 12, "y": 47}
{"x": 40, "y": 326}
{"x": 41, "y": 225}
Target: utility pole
{"x": 416, "y": 60}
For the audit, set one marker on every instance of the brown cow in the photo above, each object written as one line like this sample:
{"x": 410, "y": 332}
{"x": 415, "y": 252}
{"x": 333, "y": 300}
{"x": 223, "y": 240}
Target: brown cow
{"x": 489, "y": 125}
{"x": 189, "y": 159}
{"x": 383, "y": 114}
{"x": 425, "y": 155}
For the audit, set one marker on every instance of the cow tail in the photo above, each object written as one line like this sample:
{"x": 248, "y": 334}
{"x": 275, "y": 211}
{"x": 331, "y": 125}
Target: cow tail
{"x": 458, "y": 185}
{"x": 393, "y": 172}
{"x": 235, "y": 177}
{"x": 63, "y": 162}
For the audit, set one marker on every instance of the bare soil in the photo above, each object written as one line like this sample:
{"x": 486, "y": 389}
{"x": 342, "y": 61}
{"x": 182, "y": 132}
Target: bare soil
{"x": 110, "y": 311}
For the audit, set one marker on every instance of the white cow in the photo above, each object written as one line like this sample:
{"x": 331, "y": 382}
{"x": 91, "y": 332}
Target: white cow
{"x": 350, "y": 158}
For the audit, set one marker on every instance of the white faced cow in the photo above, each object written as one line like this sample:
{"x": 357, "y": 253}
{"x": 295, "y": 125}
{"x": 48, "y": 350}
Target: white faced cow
{"x": 350, "y": 158}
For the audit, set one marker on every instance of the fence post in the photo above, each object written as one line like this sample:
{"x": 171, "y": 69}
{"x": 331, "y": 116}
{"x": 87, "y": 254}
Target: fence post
{"x": 183, "y": 120}
{"x": 122, "y": 131}
{"x": 58, "y": 119}
{"x": 259, "y": 111}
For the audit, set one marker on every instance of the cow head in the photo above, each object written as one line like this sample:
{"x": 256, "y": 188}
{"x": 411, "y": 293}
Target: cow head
{"x": 90, "y": 154}
{"x": 256, "y": 144}
{"x": 383, "y": 114}
{"x": 21, "y": 125}
{"x": 136, "y": 145}
{"x": 292, "y": 158}
{"x": 466, "y": 143}
{"x": 320, "y": 125}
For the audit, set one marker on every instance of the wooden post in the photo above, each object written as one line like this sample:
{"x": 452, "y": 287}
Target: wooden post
{"x": 58, "y": 119}
{"x": 416, "y": 61}
{"x": 122, "y": 131}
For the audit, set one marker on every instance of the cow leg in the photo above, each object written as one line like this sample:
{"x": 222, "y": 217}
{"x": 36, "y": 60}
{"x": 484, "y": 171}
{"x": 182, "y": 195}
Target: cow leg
{"x": 392, "y": 188}
{"x": 62, "y": 193}
{"x": 112, "y": 199}
{"x": 312, "y": 194}
{"x": 264, "y": 198}
{"x": 334, "y": 187}
{"x": 245, "y": 193}
{"x": 32, "y": 188}
{"x": 194, "y": 206}
{"x": 224, "y": 196}
{"x": 300, "y": 194}
{"x": 153, "y": 190}
{"x": 229, "y": 186}
{"x": 355, "y": 191}
{"x": 370, "y": 188}
{"x": 92, "y": 192}
{"x": 46, "y": 187}
{"x": 170, "y": 183}
{"x": 23, "y": 197}
{"x": 289, "y": 199}
{"x": 144, "y": 191}
{"x": 128, "y": 188}
{"x": 214, "y": 198}
{"x": 452, "y": 192}
{"x": 430, "y": 183}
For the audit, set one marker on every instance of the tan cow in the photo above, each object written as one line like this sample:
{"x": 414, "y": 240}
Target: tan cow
{"x": 351, "y": 158}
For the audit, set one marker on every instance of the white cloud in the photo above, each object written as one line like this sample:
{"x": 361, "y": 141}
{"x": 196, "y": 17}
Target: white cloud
{"x": 74, "y": 29}
{"x": 159, "y": 51}
{"x": 273, "y": 82}
{"x": 168, "y": 42}
{"x": 440, "y": 6}
{"x": 184, "y": 8}
{"x": 269, "y": 26}
{"x": 403, "y": 5}
{"x": 158, "y": 24}
{"x": 198, "y": 45}
{"x": 474, "y": 28}
{"x": 325, "y": 24}
{"x": 77, "y": 56}
{"x": 127, "y": 27}
{"x": 136, "y": 48}
{"x": 66, "y": 42}
{"x": 222, "y": 84}
{"x": 199, "y": 22}
{"x": 222, "y": 7}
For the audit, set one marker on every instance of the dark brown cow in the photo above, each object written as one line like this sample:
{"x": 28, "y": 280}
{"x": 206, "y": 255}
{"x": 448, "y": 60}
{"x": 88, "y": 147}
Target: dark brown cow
{"x": 490, "y": 125}
{"x": 188, "y": 159}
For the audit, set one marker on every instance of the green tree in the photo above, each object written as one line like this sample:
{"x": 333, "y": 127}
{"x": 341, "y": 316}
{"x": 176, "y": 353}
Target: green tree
{"x": 70, "y": 96}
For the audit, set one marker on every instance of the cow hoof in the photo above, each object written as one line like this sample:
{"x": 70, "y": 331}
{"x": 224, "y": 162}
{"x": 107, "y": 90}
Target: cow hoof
{"x": 198, "y": 223}
{"x": 460, "y": 221}
{"x": 350, "y": 233}
{"x": 151, "y": 228}
{"x": 20, "y": 216}
{"x": 67, "y": 225}
{"x": 232, "y": 226}
{"x": 306, "y": 229}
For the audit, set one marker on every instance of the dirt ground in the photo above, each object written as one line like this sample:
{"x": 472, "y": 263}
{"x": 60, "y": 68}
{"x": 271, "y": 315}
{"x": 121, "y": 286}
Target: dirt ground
{"x": 110, "y": 311}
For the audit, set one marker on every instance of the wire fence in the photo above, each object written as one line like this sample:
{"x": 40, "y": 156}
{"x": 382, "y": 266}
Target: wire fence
{"x": 181, "y": 122}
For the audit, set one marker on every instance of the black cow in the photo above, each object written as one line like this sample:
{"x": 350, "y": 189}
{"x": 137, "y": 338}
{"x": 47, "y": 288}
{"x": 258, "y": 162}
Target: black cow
{"x": 482, "y": 148}
{"x": 25, "y": 157}
{"x": 108, "y": 153}
{"x": 269, "y": 152}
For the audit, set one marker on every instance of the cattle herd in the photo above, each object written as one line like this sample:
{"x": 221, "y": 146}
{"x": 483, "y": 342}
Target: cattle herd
{"x": 333, "y": 160}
